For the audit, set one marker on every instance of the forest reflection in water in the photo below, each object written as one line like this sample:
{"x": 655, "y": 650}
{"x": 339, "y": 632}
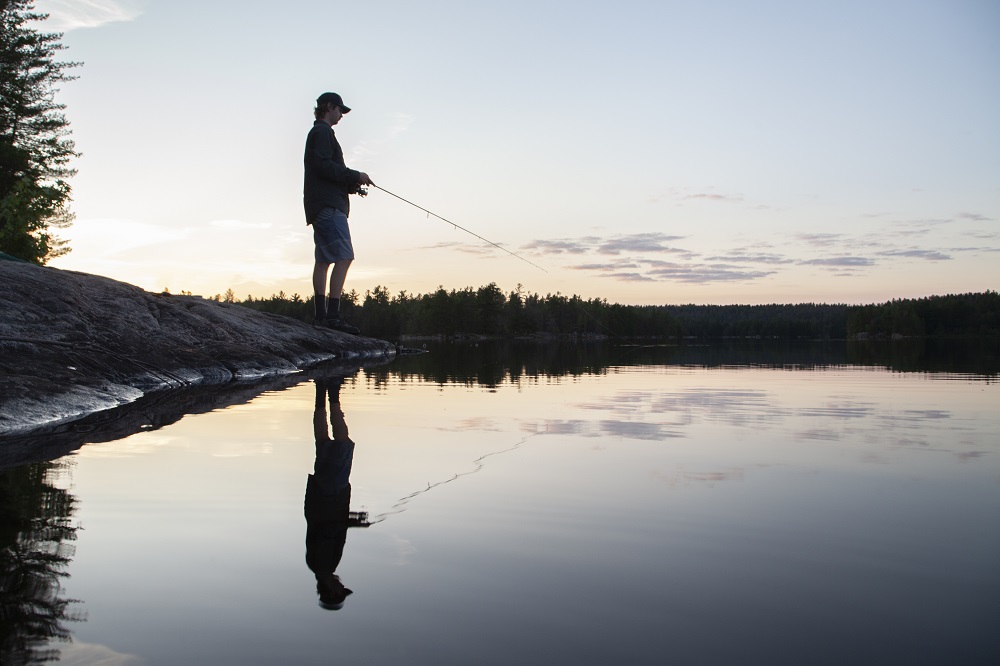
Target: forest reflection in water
{"x": 719, "y": 504}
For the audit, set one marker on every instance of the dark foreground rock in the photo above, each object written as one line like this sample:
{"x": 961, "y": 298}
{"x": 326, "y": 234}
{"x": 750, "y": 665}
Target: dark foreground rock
{"x": 154, "y": 411}
{"x": 72, "y": 344}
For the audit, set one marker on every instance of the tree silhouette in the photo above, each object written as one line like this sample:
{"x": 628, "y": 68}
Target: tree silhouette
{"x": 35, "y": 148}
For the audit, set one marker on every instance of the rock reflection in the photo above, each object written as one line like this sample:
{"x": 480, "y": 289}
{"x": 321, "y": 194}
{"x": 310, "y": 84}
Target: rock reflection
{"x": 328, "y": 495}
{"x": 35, "y": 530}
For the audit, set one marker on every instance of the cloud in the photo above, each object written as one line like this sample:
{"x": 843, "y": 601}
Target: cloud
{"x": 238, "y": 225}
{"x": 647, "y": 242}
{"x": 931, "y": 255}
{"x": 985, "y": 235}
{"x": 467, "y": 248}
{"x": 711, "y": 196}
{"x": 975, "y": 217}
{"x": 66, "y": 15}
{"x": 703, "y": 273}
{"x": 924, "y": 223}
{"x": 558, "y": 246}
{"x": 396, "y": 124}
{"x": 820, "y": 240}
{"x": 616, "y": 271}
{"x": 708, "y": 194}
{"x": 603, "y": 267}
{"x": 629, "y": 277}
{"x": 750, "y": 258}
{"x": 631, "y": 243}
{"x": 653, "y": 270}
{"x": 113, "y": 237}
{"x": 975, "y": 249}
{"x": 840, "y": 262}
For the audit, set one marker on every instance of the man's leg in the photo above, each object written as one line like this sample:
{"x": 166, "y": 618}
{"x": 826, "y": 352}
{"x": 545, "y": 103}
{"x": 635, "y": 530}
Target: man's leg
{"x": 337, "y": 278}
{"x": 319, "y": 289}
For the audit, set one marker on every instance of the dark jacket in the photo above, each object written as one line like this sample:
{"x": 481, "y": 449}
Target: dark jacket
{"x": 328, "y": 181}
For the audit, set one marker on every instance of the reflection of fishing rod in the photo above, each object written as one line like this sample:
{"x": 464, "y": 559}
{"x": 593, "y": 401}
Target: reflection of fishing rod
{"x": 455, "y": 225}
{"x": 479, "y": 463}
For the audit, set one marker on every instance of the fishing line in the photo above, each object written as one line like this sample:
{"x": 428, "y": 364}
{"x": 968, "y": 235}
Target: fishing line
{"x": 486, "y": 240}
{"x": 458, "y": 226}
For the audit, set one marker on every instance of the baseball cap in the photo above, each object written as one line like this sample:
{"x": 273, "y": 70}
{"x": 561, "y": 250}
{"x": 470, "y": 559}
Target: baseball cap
{"x": 332, "y": 98}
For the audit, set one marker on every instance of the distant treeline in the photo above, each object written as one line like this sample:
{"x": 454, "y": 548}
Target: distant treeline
{"x": 955, "y": 314}
{"x": 488, "y": 311}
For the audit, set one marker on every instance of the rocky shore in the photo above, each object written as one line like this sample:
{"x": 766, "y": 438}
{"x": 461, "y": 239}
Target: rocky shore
{"x": 72, "y": 344}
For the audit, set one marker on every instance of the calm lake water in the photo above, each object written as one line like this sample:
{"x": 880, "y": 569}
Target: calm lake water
{"x": 754, "y": 503}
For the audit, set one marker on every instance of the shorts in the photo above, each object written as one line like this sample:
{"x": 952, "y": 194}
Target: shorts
{"x": 332, "y": 236}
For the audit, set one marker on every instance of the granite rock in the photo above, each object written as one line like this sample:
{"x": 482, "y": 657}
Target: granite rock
{"x": 72, "y": 344}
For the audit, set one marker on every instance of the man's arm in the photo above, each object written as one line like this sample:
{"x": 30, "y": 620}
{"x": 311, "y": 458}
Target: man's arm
{"x": 319, "y": 153}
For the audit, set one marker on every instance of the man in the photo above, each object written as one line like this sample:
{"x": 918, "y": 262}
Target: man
{"x": 328, "y": 182}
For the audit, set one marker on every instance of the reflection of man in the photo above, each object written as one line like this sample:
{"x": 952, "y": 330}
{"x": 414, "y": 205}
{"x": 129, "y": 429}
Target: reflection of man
{"x": 328, "y": 496}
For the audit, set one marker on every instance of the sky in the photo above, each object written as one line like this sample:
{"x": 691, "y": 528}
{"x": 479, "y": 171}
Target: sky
{"x": 640, "y": 152}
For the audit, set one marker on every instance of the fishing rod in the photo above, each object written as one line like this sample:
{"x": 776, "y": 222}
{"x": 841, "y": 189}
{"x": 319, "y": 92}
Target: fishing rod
{"x": 458, "y": 226}
{"x": 364, "y": 192}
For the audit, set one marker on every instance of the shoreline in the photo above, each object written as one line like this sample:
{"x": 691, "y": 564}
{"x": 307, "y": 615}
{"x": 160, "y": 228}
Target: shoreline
{"x": 72, "y": 344}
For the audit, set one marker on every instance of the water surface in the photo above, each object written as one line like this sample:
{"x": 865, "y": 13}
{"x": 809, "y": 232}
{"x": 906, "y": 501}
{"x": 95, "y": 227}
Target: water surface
{"x": 605, "y": 506}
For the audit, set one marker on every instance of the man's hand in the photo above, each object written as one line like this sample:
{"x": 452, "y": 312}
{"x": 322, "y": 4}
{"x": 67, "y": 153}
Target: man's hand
{"x": 365, "y": 180}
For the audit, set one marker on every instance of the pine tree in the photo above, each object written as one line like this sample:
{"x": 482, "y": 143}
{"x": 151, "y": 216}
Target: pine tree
{"x": 35, "y": 149}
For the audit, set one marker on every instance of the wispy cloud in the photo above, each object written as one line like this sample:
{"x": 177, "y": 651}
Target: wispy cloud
{"x": 652, "y": 257}
{"x": 975, "y": 249}
{"x": 604, "y": 267}
{"x": 703, "y": 273}
{"x": 923, "y": 223}
{"x": 840, "y": 262}
{"x": 820, "y": 240}
{"x": 116, "y": 238}
{"x": 932, "y": 255}
{"x": 648, "y": 242}
{"x": 976, "y": 217}
{"x": 707, "y": 193}
{"x": 653, "y": 242}
{"x": 641, "y": 259}
{"x": 712, "y": 196}
{"x": 66, "y": 15}
{"x": 579, "y": 246}
{"x": 468, "y": 248}
{"x": 395, "y": 124}
{"x": 752, "y": 258}
{"x": 628, "y": 277}
{"x": 236, "y": 225}
{"x": 399, "y": 122}
{"x": 666, "y": 271}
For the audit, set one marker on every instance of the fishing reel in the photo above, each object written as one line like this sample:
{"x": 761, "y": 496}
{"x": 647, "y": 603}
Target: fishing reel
{"x": 361, "y": 191}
